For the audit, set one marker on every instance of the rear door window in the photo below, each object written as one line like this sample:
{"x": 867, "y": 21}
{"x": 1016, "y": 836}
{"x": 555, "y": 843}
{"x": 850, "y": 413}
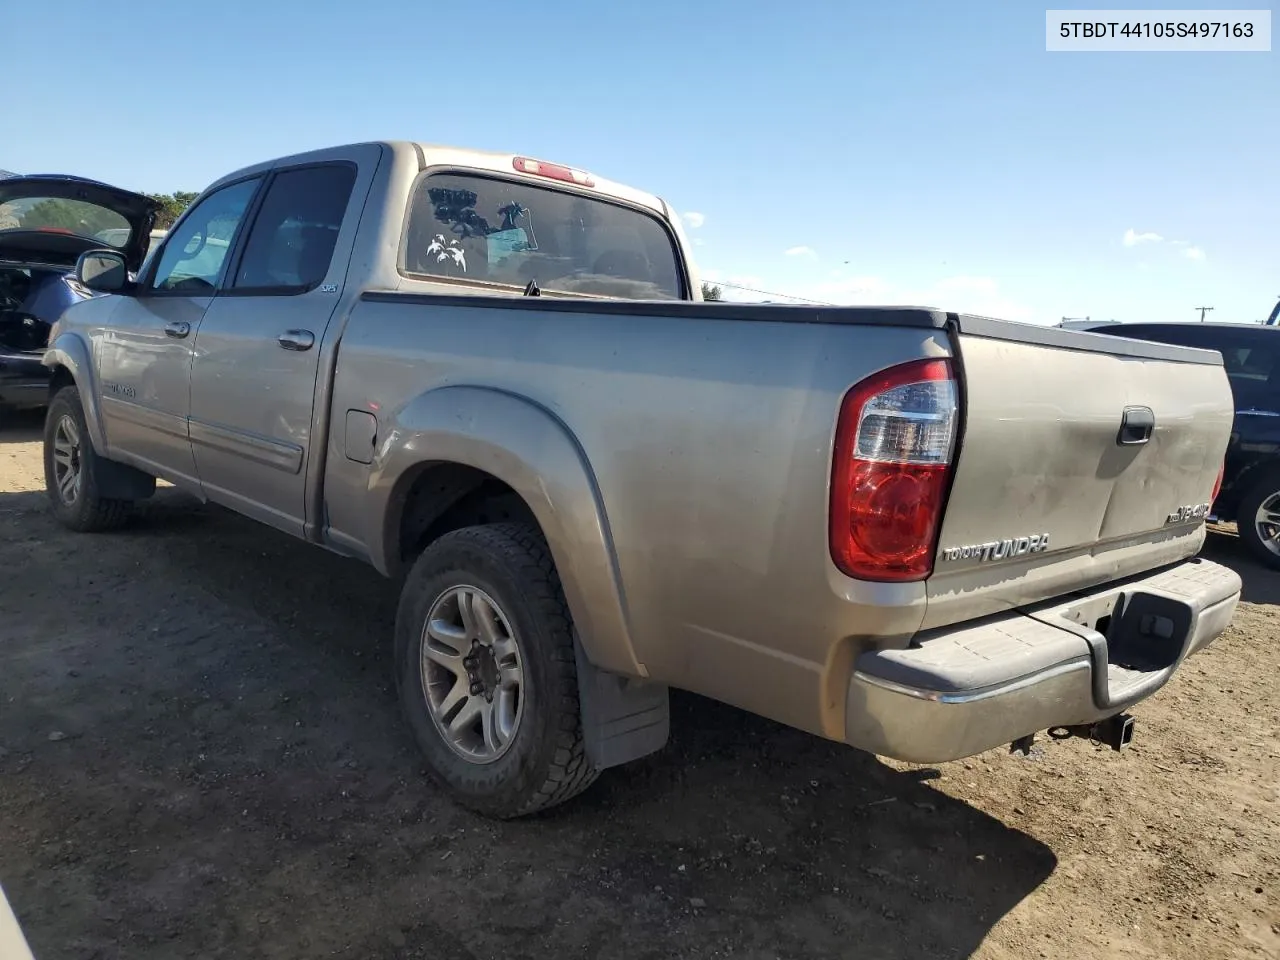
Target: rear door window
{"x": 290, "y": 245}
{"x": 472, "y": 228}
{"x": 1253, "y": 367}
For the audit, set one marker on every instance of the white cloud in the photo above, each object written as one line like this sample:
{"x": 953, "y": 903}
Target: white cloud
{"x": 693, "y": 220}
{"x": 699, "y": 242}
{"x": 801, "y": 252}
{"x": 1132, "y": 238}
{"x": 1188, "y": 249}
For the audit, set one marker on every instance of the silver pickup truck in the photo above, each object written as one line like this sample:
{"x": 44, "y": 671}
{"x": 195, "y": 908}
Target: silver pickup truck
{"x": 918, "y": 533}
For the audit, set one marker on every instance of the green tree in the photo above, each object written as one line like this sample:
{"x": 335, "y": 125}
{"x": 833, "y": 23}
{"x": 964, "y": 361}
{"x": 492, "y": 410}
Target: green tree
{"x": 171, "y": 207}
{"x": 712, "y": 292}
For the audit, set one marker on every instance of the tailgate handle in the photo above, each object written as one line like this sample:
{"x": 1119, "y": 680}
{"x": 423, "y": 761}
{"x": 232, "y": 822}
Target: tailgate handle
{"x": 1136, "y": 426}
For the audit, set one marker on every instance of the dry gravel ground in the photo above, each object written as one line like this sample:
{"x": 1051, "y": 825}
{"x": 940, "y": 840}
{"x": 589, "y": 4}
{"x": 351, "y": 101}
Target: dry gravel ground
{"x": 201, "y": 756}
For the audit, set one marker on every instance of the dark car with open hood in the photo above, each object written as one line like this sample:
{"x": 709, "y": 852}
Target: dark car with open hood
{"x": 46, "y": 222}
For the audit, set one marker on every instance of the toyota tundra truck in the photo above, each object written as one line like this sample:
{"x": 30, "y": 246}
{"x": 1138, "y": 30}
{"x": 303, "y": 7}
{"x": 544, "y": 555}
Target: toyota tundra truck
{"x": 919, "y": 533}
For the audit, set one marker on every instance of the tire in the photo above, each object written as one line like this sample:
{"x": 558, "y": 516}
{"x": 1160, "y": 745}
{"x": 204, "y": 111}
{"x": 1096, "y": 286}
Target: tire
{"x": 68, "y": 448}
{"x": 1262, "y": 498}
{"x": 523, "y": 753}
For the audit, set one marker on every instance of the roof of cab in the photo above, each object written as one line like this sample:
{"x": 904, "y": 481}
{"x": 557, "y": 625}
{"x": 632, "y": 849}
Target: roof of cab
{"x": 430, "y": 155}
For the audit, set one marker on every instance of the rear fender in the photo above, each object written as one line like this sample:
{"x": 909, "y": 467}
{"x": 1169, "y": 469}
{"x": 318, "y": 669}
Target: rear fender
{"x": 532, "y": 451}
{"x": 69, "y": 350}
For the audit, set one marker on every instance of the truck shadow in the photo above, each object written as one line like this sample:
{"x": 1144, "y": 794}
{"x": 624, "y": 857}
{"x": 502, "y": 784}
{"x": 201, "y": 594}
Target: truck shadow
{"x": 251, "y": 732}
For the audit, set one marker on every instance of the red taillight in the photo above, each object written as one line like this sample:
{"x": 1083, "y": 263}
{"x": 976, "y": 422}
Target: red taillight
{"x": 1217, "y": 484}
{"x": 540, "y": 168}
{"x": 893, "y": 447}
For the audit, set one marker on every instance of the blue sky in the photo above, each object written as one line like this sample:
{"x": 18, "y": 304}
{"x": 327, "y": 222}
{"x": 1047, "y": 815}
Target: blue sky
{"x": 927, "y": 152}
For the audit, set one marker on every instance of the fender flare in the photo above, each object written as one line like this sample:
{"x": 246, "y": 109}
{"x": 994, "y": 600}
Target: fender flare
{"x": 527, "y": 447}
{"x": 70, "y": 351}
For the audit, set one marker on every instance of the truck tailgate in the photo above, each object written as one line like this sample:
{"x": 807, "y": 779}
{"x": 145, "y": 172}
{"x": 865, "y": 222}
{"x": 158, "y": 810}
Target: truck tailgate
{"x": 1083, "y": 458}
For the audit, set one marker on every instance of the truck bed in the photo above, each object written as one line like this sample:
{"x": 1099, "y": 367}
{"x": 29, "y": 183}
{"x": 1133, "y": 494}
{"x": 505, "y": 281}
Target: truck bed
{"x": 707, "y": 430}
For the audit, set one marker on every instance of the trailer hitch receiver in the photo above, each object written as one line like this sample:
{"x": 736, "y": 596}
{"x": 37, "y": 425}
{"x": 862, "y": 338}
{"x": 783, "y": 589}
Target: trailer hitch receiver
{"x": 1115, "y": 732}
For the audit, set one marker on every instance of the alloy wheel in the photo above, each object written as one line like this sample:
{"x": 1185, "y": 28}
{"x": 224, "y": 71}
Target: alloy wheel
{"x": 67, "y": 463}
{"x": 472, "y": 674}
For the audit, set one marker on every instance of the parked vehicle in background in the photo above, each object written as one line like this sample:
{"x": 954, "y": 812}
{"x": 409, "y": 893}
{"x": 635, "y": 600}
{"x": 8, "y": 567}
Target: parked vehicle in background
{"x": 902, "y": 529}
{"x": 46, "y": 222}
{"x": 1250, "y": 494}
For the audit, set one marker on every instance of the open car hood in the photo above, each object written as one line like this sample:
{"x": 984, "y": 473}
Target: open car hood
{"x": 60, "y": 236}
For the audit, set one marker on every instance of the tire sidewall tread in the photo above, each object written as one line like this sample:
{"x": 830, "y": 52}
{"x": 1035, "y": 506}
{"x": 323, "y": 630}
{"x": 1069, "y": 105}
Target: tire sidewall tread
{"x": 1266, "y": 484}
{"x": 547, "y": 763}
{"x": 90, "y": 513}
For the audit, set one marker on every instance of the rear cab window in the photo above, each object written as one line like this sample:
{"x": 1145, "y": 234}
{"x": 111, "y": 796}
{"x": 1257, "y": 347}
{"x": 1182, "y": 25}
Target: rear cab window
{"x": 474, "y": 228}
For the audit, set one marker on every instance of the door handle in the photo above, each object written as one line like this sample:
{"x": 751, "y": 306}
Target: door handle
{"x": 1136, "y": 426}
{"x": 297, "y": 339}
{"x": 177, "y": 329}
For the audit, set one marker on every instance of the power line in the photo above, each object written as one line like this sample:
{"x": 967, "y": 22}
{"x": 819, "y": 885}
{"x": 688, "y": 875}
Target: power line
{"x": 766, "y": 293}
{"x": 1203, "y": 311}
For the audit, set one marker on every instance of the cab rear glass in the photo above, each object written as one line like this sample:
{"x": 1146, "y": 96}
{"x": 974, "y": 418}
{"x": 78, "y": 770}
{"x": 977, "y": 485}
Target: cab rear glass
{"x": 473, "y": 228}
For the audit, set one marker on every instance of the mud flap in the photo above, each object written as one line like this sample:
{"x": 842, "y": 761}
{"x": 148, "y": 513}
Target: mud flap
{"x": 119, "y": 481}
{"x": 622, "y": 719}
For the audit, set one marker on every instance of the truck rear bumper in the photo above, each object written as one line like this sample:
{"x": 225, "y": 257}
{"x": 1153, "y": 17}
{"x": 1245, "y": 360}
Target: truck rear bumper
{"x": 965, "y": 689}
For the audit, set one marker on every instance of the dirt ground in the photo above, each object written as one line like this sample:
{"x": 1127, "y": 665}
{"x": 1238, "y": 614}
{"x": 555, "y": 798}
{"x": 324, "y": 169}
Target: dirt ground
{"x": 201, "y": 756}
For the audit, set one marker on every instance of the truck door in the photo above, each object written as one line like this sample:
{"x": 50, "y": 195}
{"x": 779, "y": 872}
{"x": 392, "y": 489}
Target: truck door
{"x": 144, "y": 356}
{"x": 257, "y": 353}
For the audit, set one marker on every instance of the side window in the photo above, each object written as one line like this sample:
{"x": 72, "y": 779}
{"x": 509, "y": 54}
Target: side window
{"x": 291, "y": 241}
{"x": 195, "y": 254}
{"x": 1249, "y": 361}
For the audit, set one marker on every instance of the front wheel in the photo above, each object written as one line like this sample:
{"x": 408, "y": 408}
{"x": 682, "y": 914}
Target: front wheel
{"x": 1258, "y": 518}
{"x": 71, "y": 469}
{"x": 486, "y": 671}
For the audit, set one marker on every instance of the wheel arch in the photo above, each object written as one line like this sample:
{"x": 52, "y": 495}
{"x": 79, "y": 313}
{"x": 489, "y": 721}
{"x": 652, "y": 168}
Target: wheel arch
{"x": 68, "y": 359}
{"x": 1263, "y": 483}
{"x": 1243, "y": 482}
{"x": 457, "y": 448}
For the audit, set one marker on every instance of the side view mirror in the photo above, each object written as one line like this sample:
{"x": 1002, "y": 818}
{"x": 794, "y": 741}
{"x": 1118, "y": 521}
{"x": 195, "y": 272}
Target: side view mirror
{"x": 103, "y": 271}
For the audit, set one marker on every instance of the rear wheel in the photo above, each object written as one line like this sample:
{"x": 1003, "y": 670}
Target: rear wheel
{"x": 1258, "y": 518}
{"x": 71, "y": 468}
{"x": 486, "y": 670}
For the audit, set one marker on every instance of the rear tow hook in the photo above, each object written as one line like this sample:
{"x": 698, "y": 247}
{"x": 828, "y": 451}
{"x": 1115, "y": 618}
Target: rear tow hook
{"x": 1115, "y": 732}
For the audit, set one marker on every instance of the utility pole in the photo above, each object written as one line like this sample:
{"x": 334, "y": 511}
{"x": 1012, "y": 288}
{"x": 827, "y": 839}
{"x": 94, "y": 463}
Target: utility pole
{"x": 1203, "y": 311}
